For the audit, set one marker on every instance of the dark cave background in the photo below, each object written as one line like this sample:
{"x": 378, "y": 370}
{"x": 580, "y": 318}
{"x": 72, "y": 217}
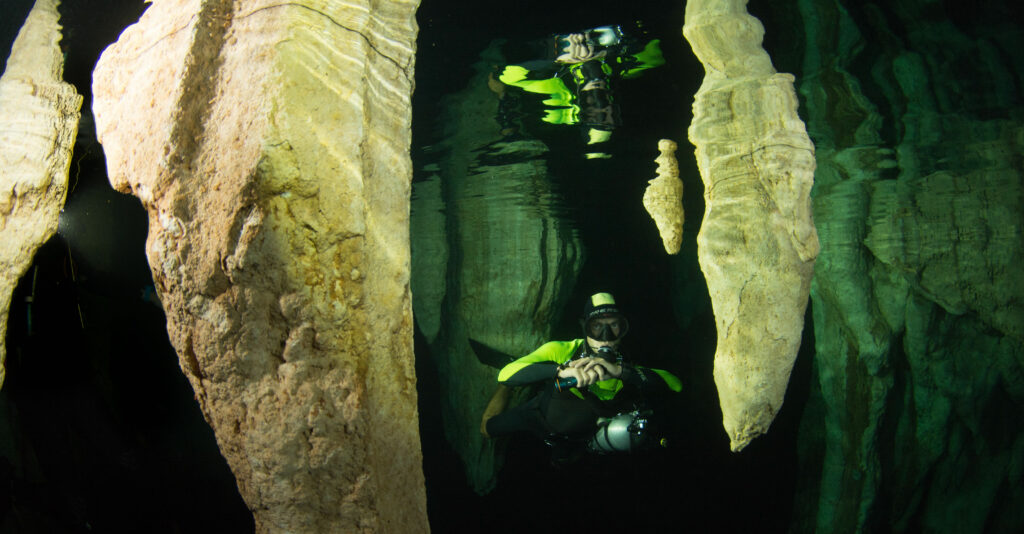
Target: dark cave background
{"x": 98, "y": 428}
{"x": 99, "y": 431}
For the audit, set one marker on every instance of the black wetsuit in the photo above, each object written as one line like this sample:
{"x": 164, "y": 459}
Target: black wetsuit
{"x": 571, "y": 413}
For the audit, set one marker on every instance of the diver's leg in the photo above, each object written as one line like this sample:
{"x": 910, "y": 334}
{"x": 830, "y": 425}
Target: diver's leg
{"x": 522, "y": 418}
{"x": 497, "y": 405}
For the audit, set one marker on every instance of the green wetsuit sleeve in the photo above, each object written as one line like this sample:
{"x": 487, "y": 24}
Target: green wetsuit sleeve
{"x": 541, "y": 364}
{"x": 644, "y": 378}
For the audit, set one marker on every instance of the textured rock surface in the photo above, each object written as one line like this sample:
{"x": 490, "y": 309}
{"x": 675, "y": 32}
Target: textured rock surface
{"x": 269, "y": 144}
{"x": 757, "y": 242}
{"x": 917, "y": 294}
{"x": 38, "y": 122}
{"x": 492, "y": 262}
{"x": 663, "y": 198}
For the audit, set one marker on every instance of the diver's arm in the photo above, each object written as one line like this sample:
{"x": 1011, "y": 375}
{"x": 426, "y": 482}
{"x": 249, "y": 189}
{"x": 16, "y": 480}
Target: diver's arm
{"x": 646, "y": 378}
{"x": 643, "y": 378}
{"x": 529, "y": 374}
{"x": 541, "y": 364}
{"x": 584, "y": 371}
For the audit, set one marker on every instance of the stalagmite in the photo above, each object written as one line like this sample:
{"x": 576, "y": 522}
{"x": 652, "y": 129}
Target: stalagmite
{"x": 38, "y": 122}
{"x": 757, "y": 243}
{"x": 663, "y": 198}
{"x": 269, "y": 144}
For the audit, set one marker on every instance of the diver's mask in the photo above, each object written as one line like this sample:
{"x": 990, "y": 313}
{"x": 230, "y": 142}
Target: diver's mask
{"x": 606, "y": 327}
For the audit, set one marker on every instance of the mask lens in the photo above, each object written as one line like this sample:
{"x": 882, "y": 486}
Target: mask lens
{"x": 606, "y": 328}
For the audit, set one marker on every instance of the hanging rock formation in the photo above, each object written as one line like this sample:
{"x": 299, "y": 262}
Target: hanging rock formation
{"x": 917, "y": 296}
{"x": 493, "y": 262}
{"x": 269, "y": 144}
{"x": 757, "y": 243}
{"x": 38, "y": 122}
{"x": 663, "y": 198}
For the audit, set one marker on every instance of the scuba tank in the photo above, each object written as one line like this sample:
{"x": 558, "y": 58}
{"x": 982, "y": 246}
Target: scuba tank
{"x": 625, "y": 432}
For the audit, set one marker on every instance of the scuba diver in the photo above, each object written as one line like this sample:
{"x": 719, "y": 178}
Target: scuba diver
{"x": 590, "y": 398}
{"x": 589, "y": 62}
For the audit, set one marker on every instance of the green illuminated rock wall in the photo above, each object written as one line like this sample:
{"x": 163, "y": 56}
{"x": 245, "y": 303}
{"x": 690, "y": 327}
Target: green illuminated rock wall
{"x": 918, "y": 300}
{"x": 491, "y": 263}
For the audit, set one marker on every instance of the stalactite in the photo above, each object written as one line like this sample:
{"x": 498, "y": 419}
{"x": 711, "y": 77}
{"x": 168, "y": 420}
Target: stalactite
{"x": 663, "y": 198}
{"x": 38, "y": 123}
{"x": 757, "y": 242}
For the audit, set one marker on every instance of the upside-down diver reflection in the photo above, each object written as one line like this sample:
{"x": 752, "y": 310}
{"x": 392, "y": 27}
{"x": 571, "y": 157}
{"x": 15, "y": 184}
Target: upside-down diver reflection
{"x": 590, "y": 62}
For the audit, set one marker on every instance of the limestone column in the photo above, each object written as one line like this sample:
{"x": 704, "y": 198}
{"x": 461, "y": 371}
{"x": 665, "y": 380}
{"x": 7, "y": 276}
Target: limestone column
{"x": 38, "y": 123}
{"x": 269, "y": 143}
{"x": 757, "y": 243}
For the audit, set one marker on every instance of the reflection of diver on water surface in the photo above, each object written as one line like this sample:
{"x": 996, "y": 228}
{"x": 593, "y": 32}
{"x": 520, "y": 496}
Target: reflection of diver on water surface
{"x": 577, "y": 76}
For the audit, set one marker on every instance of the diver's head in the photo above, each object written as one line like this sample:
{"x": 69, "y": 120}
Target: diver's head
{"x": 603, "y": 324}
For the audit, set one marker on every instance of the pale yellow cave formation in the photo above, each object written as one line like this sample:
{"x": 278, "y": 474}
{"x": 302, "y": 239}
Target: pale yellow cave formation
{"x": 39, "y": 115}
{"x": 757, "y": 243}
{"x": 663, "y": 198}
{"x": 269, "y": 143}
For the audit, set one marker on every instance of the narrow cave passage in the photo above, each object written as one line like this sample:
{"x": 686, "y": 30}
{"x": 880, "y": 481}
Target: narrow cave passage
{"x": 462, "y": 141}
{"x": 166, "y": 444}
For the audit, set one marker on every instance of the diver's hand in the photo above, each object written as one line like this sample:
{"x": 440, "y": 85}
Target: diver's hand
{"x": 579, "y": 50}
{"x": 584, "y": 377}
{"x": 604, "y": 368}
{"x": 589, "y": 370}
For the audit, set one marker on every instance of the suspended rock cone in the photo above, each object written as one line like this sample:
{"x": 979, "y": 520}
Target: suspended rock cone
{"x": 663, "y": 198}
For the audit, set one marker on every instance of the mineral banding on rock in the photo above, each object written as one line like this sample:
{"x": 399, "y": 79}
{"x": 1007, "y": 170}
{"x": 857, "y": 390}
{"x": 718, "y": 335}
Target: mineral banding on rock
{"x": 757, "y": 243}
{"x": 269, "y": 143}
{"x": 663, "y": 198}
{"x": 39, "y": 115}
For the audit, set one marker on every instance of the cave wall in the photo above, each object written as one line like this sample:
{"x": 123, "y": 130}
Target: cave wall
{"x": 917, "y": 298}
{"x": 493, "y": 266}
{"x": 269, "y": 144}
{"x": 39, "y": 115}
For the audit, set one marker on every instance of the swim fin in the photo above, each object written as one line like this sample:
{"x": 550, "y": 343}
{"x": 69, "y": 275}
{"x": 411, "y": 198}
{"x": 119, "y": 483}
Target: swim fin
{"x": 489, "y": 356}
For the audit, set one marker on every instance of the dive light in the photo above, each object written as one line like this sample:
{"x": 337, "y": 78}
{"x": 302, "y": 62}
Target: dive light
{"x": 607, "y": 353}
